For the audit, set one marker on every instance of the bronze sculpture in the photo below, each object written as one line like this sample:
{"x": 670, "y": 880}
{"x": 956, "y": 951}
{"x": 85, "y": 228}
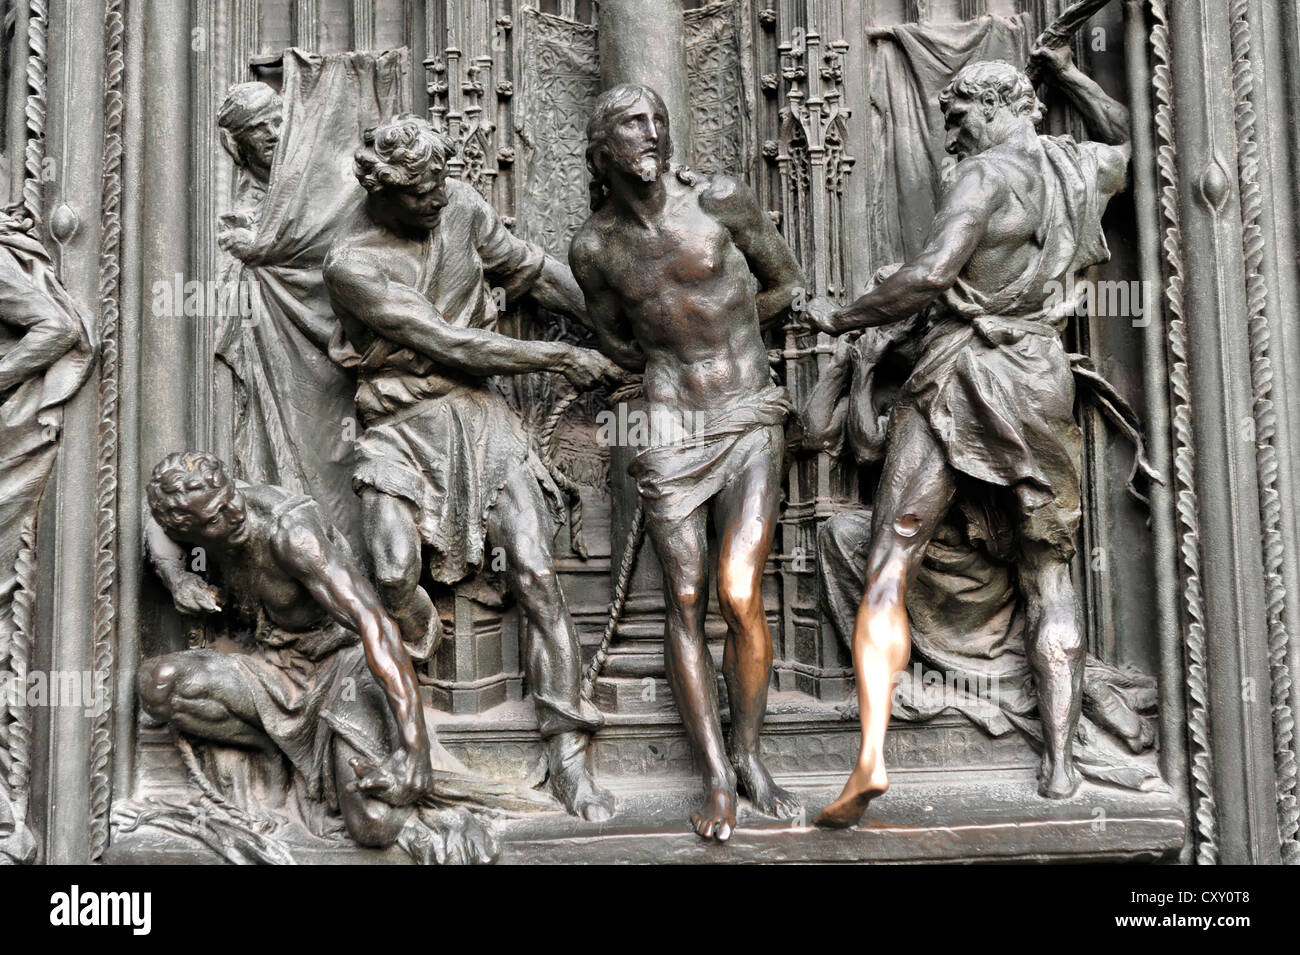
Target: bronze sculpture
{"x": 667, "y": 261}
{"x": 47, "y": 350}
{"x": 444, "y": 463}
{"x": 319, "y": 623}
{"x": 992, "y": 396}
{"x": 829, "y": 114}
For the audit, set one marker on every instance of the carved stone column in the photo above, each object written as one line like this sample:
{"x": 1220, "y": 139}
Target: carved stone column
{"x": 76, "y": 777}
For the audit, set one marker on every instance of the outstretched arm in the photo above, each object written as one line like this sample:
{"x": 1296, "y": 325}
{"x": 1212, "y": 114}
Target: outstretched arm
{"x": 780, "y": 280}
{"x": 607, "y": 321}
{"x": 333, "y": 580}
{"x": 401, "y": 314}
{"x": 959, "y": 226}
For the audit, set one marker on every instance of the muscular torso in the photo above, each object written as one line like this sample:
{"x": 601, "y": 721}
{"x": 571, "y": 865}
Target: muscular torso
{"x": 253, "y": 576}
{"x": 1007, "y": 248}
{"x": 689, "y": 298}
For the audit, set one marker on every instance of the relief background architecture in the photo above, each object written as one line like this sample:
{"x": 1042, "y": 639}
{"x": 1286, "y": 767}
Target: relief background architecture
{"x": 118, "y": 159}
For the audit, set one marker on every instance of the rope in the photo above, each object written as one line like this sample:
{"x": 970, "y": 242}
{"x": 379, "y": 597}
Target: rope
{"x": 630, "y": 551}
{"x": 546, "y": 439}
{"x": 546, "y": 443}
{"x": 206, "y": 787}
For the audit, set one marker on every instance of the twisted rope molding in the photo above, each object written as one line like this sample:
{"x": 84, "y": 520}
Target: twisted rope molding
{"x": 104, "y": 617}
{"x": 38, "y": 22}
{"x": 17, "y": 740}
{"x": 1184, "y": 452}
{"x": 1261, "y": 373}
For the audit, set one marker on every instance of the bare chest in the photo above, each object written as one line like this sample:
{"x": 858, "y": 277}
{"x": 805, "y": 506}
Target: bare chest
{"x": 687, "y": 252}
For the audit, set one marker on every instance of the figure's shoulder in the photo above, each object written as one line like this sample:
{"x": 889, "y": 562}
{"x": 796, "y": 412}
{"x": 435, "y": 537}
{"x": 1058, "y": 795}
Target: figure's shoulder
{"x": 984, "y": 174}
{"x": 464, "y": 202}
{"x": 1103, "y": 153}
{"x": 716, "y": 189}
{"x": 591, "y": 245}
{"x": 263, "y": 499}
{"x": 354, "y": 258}
{"x": 297, "y": 528}
{"x": 586, "y": 244}
{"x": 728, "y": 198}
{"x": 356, "y": 231}
{"x": 462, "y": 194}
{"x": 1106, "y": 163}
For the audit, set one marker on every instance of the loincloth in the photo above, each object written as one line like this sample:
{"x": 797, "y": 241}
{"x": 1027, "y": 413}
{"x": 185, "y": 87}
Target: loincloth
{"x": 676, "y": 478}
{"x": 998, "y": 395}
{"x": 292, "y": 679}
{"x": 450, "y": 456}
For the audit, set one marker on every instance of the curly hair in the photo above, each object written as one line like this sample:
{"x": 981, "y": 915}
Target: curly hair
{"x": 604, "y": 114}
{"x": 398, "y": 152}
{"x": 1009, "y": 85}
{"x": 179, "y": 480}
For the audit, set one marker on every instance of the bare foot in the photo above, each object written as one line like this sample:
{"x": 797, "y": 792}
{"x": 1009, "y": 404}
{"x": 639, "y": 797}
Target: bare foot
{"x": 767, "y": 797}
{"x": 1057, "y": 780}
{"x": 864, "y": 785}
{"x": 716, "y": 817}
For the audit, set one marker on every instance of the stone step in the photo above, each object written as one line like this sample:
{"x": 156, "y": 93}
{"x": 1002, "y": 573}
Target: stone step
{"x": 926, "y": 817}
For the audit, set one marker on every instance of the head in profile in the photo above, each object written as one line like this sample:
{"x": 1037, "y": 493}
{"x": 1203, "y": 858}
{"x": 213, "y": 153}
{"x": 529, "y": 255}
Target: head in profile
{"x": 402, "y": 164}
{"x": 191, "y": 495}
{"x": 250, "y": 119}
{"x": 627, "y": 134}
{"x": 985, "y": 104}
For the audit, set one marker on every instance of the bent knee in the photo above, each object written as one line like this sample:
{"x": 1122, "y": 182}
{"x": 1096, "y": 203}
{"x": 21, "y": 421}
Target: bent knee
{"x": 1061, "y": 642}
{"x": 373, "y": 824}
{"x": 687, "y": 596}
{"x": 159, "y": 682}
{"x": 534, "y": 574}
{"x": 397, "y": 574}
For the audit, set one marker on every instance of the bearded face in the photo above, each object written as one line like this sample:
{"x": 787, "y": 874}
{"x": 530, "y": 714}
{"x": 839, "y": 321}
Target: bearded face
{"x": 968, "y": 126}
{"x": 637, "y": 140}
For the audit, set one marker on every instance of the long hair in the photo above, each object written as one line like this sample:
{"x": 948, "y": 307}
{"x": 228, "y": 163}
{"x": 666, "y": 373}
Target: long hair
{"x": 604, "y": 115}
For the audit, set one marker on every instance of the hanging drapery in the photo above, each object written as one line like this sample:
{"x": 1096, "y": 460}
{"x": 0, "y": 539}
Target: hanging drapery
{"x": 296, "y": 418}
{"x": 910, "y": 64}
